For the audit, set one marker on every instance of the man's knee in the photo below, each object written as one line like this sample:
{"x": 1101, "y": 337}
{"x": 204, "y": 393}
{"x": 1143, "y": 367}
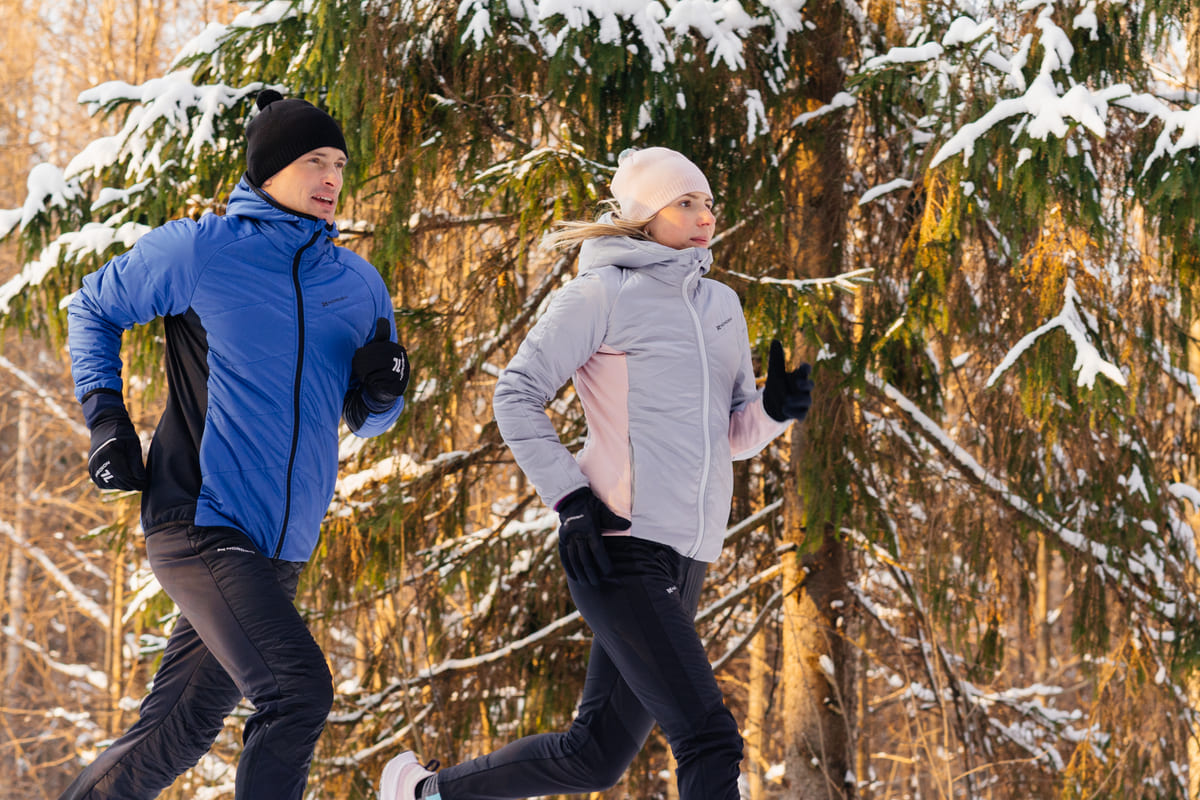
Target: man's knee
{"x": 716, "y": 736}
{"x": 302, "y": 693}
{"x": 310, "y": 693}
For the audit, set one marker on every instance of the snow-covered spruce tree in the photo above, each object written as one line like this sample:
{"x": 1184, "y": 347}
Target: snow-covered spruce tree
{"x": 1023, "y": 350}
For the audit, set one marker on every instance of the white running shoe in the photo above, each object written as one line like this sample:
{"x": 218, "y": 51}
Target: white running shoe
{"x": 401, "y": 776}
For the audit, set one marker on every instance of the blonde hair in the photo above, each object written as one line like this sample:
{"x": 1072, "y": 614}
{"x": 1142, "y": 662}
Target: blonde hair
{"x": 570, "y": 232}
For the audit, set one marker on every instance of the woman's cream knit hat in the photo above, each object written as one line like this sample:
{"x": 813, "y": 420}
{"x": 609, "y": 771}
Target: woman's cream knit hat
{"x": 649, "y": 179}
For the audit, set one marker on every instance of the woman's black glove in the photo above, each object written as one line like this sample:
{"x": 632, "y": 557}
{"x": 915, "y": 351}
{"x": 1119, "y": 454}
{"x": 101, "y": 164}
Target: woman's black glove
{"x": 580, "y": 544}
{"x": 787, "y": 395}
{"x": 381, "y": 366}
{"x": 115, "y": 456}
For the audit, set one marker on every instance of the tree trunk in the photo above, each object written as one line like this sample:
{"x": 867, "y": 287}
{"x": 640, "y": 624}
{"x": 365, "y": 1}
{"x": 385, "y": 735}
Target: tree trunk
{"x": 18, "y": 565}
{"x": 1193, "y": 479}
{"x": 115, "y": 644}
{"x": 1193, "y": 476}
{"x": 756, "y": 714}
{"x": 818, "y": 677}
{"x": 1041, "y": 628}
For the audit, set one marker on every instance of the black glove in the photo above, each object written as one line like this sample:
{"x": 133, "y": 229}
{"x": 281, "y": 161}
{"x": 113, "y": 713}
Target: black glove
{"x": 381, "y": 366}
{"x": 787, "y": 395}
{"x": 115, "y": 457}
{"x": 580, "y": 544}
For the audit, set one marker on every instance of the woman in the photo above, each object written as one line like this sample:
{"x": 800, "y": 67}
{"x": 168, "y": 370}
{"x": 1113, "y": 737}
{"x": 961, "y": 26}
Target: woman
{"x": 661, "y": 361}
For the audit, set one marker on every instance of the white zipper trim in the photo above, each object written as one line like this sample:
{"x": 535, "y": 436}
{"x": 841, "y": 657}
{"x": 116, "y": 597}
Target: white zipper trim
{"x": 704, "y": 405}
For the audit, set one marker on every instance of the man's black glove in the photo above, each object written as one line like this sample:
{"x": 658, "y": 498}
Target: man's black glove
{"x": 115, "y": 457}
{"x": 381, "y": 366}
{"x": 580, "y": 544}
{"x": 787, "y": 395}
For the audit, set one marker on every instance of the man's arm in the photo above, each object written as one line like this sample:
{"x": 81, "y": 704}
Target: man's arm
{"x": 153, "y": 279}
{"x": 135, "y": 287}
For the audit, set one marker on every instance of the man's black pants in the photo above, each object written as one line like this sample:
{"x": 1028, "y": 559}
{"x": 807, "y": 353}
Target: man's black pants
{"x": 239, "y": 635}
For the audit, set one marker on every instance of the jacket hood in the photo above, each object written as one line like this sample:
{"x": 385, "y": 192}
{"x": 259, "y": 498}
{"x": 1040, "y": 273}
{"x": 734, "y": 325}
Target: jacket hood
{"x": 247, "y": 200}
{"x": 630, "y": 253}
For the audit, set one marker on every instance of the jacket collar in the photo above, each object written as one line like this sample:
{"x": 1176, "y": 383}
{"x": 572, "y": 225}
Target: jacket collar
{"x": 248, "y": 200}
{"x": 667, "y": 263}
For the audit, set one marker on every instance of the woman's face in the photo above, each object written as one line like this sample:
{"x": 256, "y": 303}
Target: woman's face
{"x": 687, "y": 221}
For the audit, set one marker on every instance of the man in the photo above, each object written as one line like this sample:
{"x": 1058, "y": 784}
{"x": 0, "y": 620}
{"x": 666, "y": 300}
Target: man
{"x": 273, "y": 334}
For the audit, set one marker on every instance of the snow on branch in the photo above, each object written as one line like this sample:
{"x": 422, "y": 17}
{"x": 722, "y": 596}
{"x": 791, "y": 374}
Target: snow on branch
{"x": 1186, "y": 379}
{"x": 94, "y": 238}
{"x": 1048, "y": 113}
{"x": 1181, "y": 127}
{"x": 572, "y": 620}
{"x": 94, "y": 677}
{"x": 408, "y": 469}
{"x": 767, "y": 610}
{"x": 186, "y": 110}
{"x": 1088, "y": 361}
{"x": 87, "y": 606}
{"x": 1146, "y": 564}
{"x": 46, "y": 187}
{"x": 40, "y": 392}
{"x": 739, "y": 592}
{"x": 884, "y": 188}
{"x": 847, "y": 281}
{"x": 1040, "y": 726}
{"x": 388, "y": 744}
{"x": 659, "y": 26}
{"x": 839, "y": 101}
{"x": 210, "y": 40}
{"x": 1045, "y": 108}
{"x": 162, "y": 111}
{"x": 424, "y": 676}
{"x": 905, "y": 55}
{"x": 1185, "y": 491}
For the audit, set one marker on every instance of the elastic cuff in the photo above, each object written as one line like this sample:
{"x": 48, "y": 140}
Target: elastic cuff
{"x": 98, "y": 401}
{"x": 376, "y": 406}
{"x": 574, "y": 493}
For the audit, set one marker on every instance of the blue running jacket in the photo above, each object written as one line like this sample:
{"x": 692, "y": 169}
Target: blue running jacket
{"x": 262, "y": 315}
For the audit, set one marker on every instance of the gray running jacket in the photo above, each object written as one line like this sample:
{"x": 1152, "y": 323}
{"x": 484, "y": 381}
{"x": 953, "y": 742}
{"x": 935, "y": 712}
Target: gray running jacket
{"x": 661, "y": 361}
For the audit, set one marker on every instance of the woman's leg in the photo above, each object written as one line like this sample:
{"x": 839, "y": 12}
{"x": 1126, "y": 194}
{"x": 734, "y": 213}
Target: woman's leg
{"x": 647, "y": 664}
{"x": 646, "y": 625}
{"x": 610, "y": 728}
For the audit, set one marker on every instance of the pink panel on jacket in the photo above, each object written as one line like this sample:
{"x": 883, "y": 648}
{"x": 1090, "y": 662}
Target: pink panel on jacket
{"x": 751, "y": 429}
{"x": 602, "y": 384}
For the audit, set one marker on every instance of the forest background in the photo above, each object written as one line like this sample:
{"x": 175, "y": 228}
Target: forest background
{"x": 971, "y": 573}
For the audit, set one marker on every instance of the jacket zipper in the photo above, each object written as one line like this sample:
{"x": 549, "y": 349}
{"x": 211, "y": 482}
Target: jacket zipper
{"x": 287, "y": 498}
{"x": 704, "y": 403}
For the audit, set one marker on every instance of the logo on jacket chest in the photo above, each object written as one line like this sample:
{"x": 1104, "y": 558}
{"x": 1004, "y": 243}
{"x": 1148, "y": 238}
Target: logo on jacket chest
{"x": 724, "y": 323}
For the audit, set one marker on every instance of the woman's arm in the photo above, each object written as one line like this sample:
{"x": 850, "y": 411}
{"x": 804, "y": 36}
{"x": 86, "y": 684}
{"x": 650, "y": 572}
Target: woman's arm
{"x": 567, "y": 335}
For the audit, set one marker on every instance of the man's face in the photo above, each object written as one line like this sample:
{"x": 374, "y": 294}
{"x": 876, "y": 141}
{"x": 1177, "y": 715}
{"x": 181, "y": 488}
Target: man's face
{"x": 310, "y": 184}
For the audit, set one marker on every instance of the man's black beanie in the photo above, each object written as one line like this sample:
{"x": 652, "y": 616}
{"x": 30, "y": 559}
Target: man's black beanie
{"x": 282, "y": 131}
